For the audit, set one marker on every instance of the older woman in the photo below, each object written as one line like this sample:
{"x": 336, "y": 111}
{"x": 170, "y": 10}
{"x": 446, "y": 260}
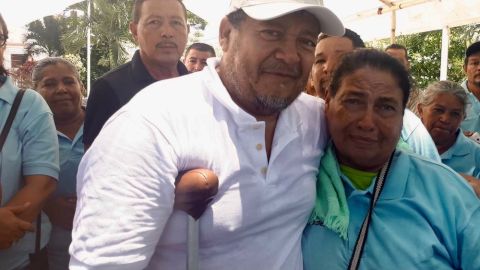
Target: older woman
{"x": 442, "y": 108}
{"x": 28, "y": 169}
{"x": 379, "y": 207}
{"x": 58, "y": 81}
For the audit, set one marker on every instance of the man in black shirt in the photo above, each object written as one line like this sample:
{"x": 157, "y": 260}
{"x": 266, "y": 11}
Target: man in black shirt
{"x": 160, "y": 29}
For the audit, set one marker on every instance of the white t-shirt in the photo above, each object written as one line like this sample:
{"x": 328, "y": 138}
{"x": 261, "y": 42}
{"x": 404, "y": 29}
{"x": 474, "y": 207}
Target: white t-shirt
{"x": 125, "y": 217}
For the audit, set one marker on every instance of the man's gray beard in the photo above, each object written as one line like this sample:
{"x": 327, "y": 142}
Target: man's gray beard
{"x": 264, "y": 104}
{"x": 271, "y": 104}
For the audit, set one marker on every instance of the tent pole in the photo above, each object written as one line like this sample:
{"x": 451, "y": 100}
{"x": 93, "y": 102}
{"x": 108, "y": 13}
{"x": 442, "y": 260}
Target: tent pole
{"x": 444, "y": 57}
{"x": 394, "y": 27}
{"x": 89, "y": 29}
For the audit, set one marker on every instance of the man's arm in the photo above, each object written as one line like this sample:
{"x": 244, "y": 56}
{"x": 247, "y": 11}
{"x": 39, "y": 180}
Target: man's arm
{"x": 101, "y": 104}
{"x": 125, "y": 189}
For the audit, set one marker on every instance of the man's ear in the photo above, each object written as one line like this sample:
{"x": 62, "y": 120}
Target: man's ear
{"x": 133, "y": 29}
{"x": 225, "y": 33}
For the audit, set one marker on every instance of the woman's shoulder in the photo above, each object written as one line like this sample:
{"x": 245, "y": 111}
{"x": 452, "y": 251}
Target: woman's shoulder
{"x": 33, "y": 102}
{"x": 432, "y": 176}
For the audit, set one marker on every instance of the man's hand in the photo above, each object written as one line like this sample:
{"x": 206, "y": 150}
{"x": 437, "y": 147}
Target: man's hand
{"x": 194, "y": 190}
{"x": 61, "y": 211}
{"x": 12, "y": 228}
{"x": 474, "y": 182}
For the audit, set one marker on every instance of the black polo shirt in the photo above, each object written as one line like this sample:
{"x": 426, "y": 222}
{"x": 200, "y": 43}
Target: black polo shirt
{"x": 113, "y": 90}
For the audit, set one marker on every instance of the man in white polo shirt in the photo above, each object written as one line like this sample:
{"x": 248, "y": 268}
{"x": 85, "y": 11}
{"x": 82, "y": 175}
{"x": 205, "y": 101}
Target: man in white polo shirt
{"x": 245, "y": 118}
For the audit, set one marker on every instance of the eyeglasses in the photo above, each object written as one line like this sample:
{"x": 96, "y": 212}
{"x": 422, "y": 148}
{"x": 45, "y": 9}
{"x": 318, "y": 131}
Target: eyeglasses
{"x": 3, "y": 40}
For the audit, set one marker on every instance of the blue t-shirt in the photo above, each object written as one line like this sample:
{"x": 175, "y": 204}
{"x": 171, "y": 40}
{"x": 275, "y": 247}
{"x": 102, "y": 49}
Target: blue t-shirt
{"x": 31, "y": 148}
{"x": 427, "y": 217}
{"x": 472, "y": 119}
{"x": 463, "y": 156}
{"x": 71, "y": 152}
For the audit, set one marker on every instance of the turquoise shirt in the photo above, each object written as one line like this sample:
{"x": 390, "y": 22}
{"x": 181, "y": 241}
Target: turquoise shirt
{"x": 416, "y": 136}
{"x": 32, "y": 148}
{"x": 426, "y": 218}
{"x": 71, "y": 152}
{"x": 472, "y": 120}
{"x": 463, "y": 156}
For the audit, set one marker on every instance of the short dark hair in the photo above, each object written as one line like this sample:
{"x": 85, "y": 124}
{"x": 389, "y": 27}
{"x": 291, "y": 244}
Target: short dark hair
{"x": 203, "y": 47}
{"x": 137, "y": 8}
{"x": 3, "y": 70}
{"x": 396, "y": 46}
{"x": 353, "y": 36}
{"x": 472, "y": 49}
{"x": 372, "y": 58}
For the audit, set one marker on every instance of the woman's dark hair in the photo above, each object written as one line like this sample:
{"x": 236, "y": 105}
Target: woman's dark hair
{"x": 371, "y": 58}
{"x": 3, "y": 71}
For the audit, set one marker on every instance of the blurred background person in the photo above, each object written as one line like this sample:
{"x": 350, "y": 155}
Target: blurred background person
{"x": 442, "y": 108}
{"x": 328, "y": 52}
{"x": 160, "y": 29}
{"x": 196, "y": 56}
{"x": 58, "y": 81}
{"x": 400, "y": 53}
{"x": 426, "y": 215}
{"x": 28, "y": 171}
{"x": 471, "y": 66}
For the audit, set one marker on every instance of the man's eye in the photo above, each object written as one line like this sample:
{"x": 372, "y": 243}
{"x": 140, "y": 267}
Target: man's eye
{"x": 387, "y": 107}
{"x": 308, "y": 43}
{"x": 270, "y": 35}
{"x": 177, "y": 23}
{"x": 154, "y": 22}
{"x": 320, "y": 61}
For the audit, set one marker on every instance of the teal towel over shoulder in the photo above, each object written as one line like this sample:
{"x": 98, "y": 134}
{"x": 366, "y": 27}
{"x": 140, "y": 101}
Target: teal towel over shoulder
{"x": 331, "y": 208}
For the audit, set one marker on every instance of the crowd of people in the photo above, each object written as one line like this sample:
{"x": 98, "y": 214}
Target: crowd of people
{"x": 325, "y": 153}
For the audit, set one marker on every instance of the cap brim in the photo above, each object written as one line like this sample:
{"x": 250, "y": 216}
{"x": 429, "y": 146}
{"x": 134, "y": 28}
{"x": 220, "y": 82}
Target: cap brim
{"x": 330, "y": 24}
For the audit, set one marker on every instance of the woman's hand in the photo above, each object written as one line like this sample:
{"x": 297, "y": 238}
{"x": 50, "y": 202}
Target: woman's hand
{"x": 13, "y": 228}
{"x": 474, "y": 182}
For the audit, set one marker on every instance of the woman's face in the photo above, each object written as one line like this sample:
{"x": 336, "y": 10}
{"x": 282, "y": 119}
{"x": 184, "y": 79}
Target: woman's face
{"x": 442, "y": 118}
{"x": 61, "y": 89}
{"x": 365, "y": 118}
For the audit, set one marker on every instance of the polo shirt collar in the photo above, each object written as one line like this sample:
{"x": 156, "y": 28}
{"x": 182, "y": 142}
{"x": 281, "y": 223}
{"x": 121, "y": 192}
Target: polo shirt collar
{"x": 8, "y": 91}
{"x": 141, "y": 74}
{"x": 461, "y": 147}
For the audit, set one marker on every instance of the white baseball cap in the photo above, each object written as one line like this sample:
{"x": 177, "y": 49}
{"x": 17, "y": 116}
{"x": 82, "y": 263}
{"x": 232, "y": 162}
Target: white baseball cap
{"x": 263, "y": 10}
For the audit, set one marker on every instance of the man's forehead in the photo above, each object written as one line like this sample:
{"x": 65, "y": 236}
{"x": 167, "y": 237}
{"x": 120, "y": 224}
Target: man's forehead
{"x": 335, "y": 44}
{"x": 475, "y": 56}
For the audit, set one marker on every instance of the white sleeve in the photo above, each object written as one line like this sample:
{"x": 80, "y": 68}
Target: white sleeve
{"x": 125, "y": 189}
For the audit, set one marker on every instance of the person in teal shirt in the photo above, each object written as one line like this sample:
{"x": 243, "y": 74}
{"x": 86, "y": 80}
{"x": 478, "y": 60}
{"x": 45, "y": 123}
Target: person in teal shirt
{"x": 426, "y": 215}
{"x": 442, "y": 108}
{"x": 58, "y": 81}
{"x": 471, "y": 85}
{"x": 28, "y": 170}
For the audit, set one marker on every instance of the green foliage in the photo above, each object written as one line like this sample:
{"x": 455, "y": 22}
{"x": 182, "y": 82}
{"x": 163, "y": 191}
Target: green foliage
{"x": 44, "y": 36}
{"x": 424, "y": 50}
